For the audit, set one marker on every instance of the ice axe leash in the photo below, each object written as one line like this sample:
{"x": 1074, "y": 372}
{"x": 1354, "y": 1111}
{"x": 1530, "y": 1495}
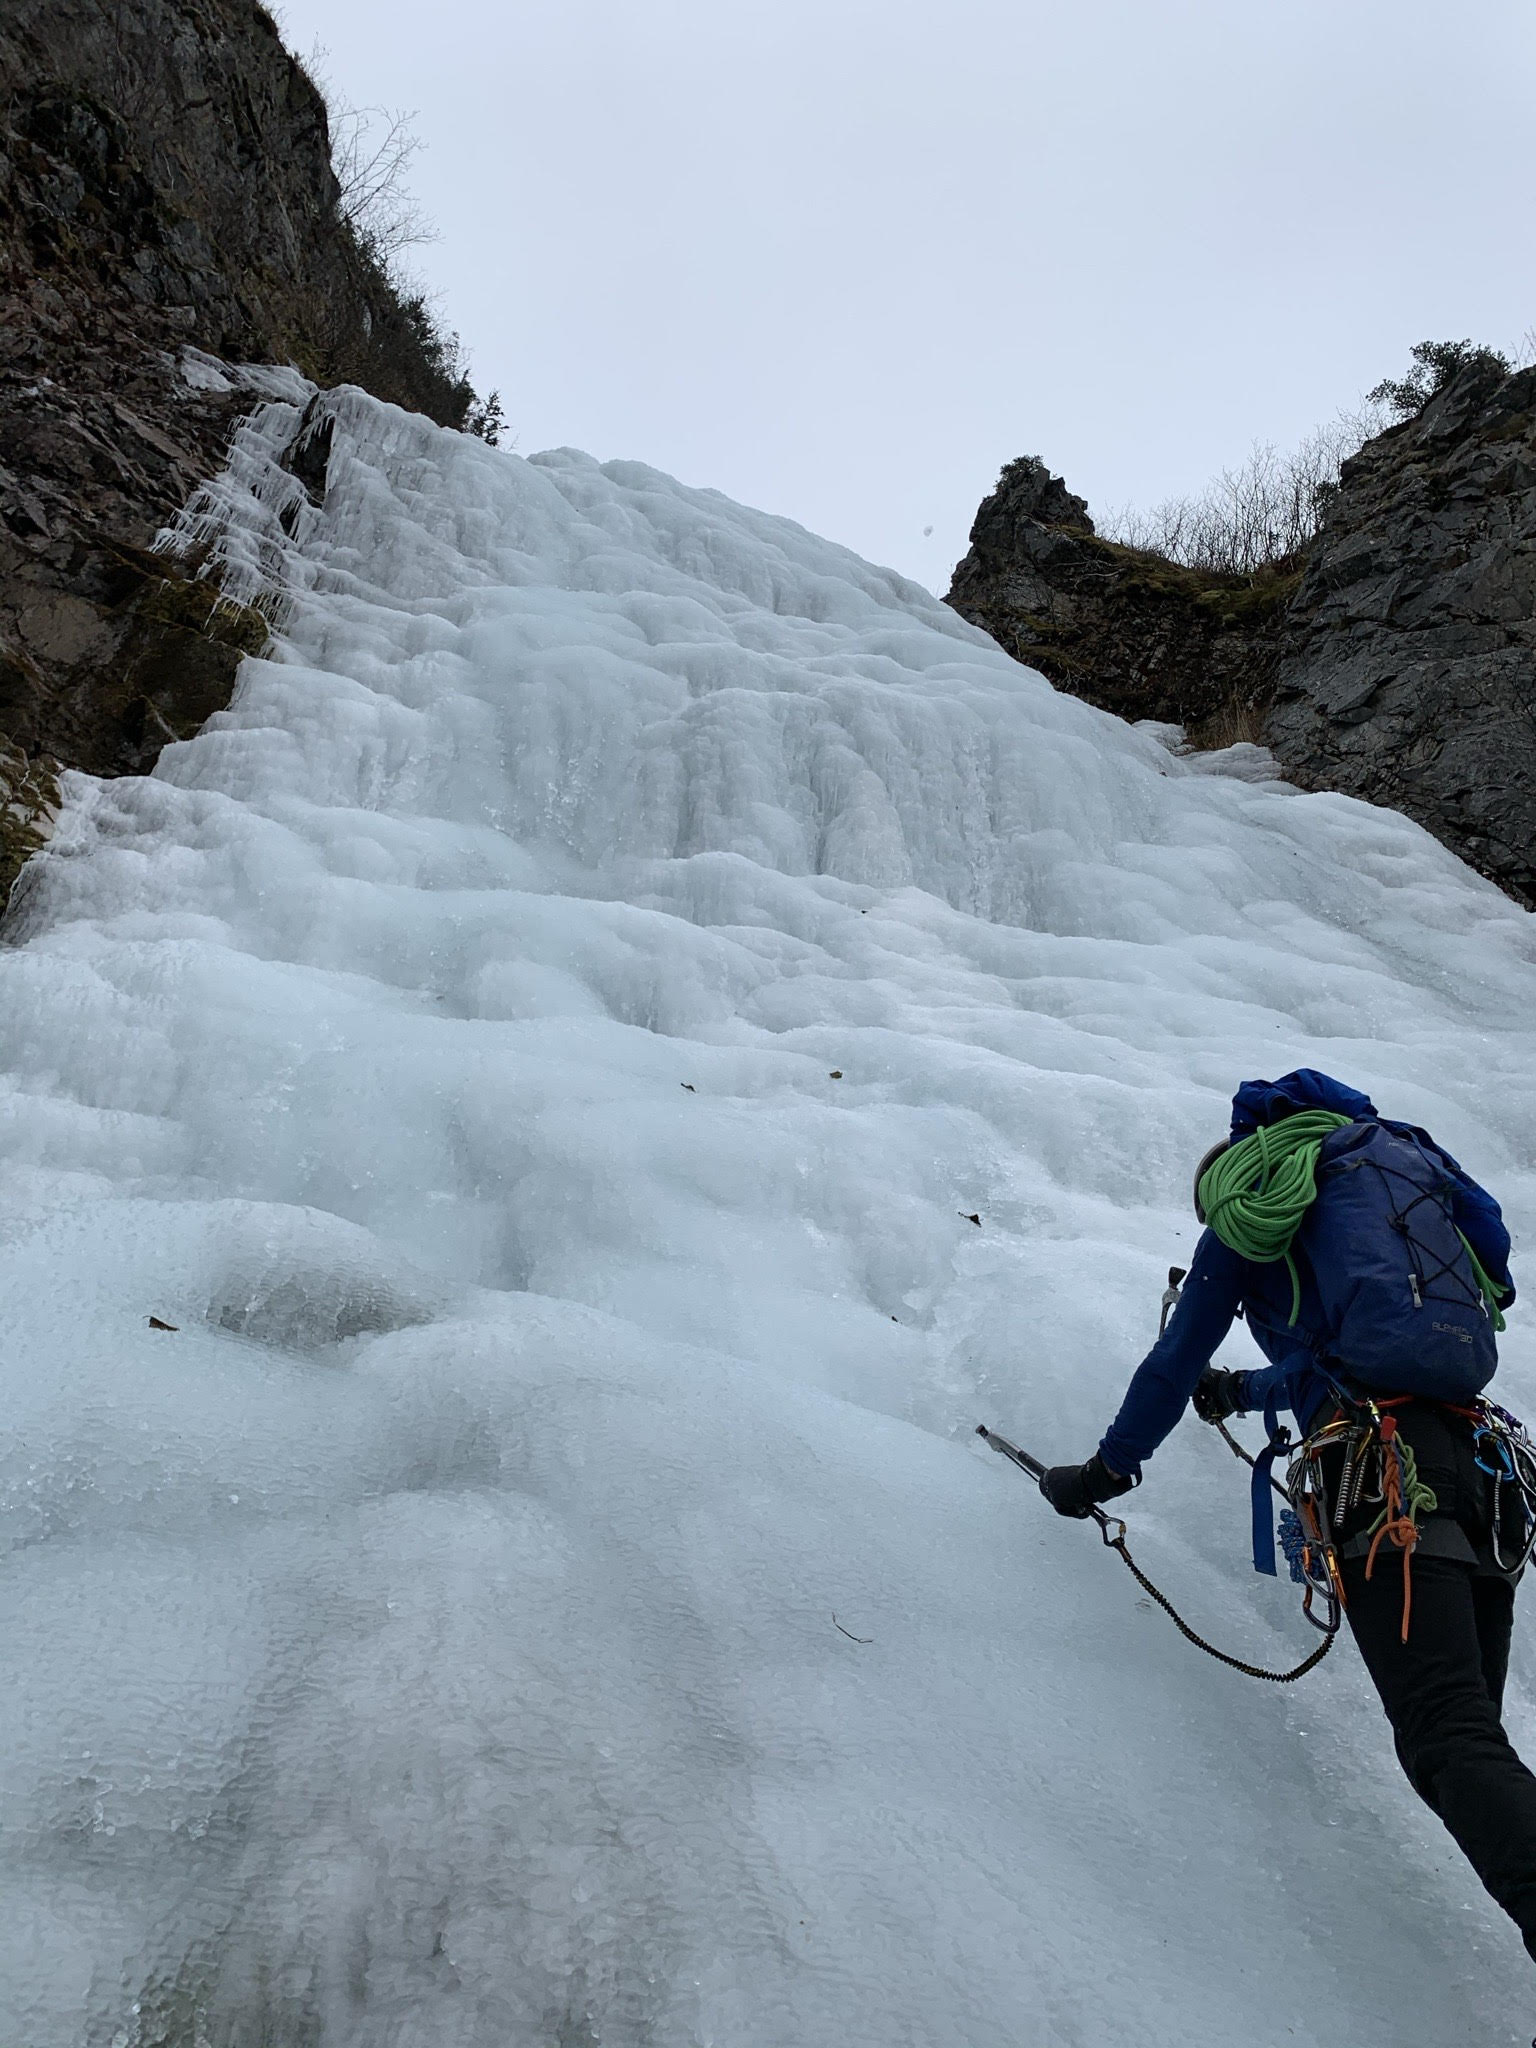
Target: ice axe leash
{"x": 1113, "y": 1531}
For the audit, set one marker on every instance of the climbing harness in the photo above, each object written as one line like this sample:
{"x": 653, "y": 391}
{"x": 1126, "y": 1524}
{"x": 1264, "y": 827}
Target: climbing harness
{"x": 1113, "y": 1531}
{"x": 1372, "y": 1453}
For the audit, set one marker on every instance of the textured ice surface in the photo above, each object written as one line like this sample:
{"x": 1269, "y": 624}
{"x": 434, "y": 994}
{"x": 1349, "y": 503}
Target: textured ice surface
{"x": 540, "y": 1049}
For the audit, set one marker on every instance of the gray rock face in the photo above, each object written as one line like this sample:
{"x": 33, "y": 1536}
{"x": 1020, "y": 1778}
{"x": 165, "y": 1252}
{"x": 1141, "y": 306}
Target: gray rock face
{"x": 1408, "y": 672}
{"x": 1130, "y": 631}
{"x": 165, "y": 172}
{"x": 165, "y": 179}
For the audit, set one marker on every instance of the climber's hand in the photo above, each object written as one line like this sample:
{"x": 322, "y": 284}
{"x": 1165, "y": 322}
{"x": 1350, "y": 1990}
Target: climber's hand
{"x": 1076, "y": 1490}
{"x": 1217, "y": 1395}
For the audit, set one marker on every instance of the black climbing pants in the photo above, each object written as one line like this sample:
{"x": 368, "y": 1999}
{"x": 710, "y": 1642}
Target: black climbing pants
{"x": 1443, "y": 1690}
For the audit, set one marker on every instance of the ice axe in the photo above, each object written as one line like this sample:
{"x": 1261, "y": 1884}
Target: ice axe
{"x": 1036, "y": 1471}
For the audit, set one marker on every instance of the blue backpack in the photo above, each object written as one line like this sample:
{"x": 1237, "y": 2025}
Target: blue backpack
{"x": 1405, "y": 1304}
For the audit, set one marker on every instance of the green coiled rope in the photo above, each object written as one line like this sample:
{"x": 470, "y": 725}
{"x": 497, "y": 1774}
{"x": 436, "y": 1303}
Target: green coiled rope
{"x": 1418, "y": 1497}
{"x": 1255, "y": 1194}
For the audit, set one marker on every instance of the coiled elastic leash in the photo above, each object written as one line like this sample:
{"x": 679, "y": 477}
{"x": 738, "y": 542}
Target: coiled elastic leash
{"x": 1113, "y": 1531}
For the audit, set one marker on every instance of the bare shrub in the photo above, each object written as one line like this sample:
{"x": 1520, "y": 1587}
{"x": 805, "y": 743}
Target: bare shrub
{"x": 1257, "y": 516}
{"x": 1262, "y": 514}
{"x": 372, "y": 150}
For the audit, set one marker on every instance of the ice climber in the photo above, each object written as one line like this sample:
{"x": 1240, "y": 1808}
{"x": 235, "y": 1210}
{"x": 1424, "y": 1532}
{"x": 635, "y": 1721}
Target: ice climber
{"x": 1372, "y": 1272}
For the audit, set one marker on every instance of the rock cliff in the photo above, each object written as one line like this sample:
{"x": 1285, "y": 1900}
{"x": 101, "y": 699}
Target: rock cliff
{"x": 165, "y": 182}
{"x": 1131, "y": 631}
{"x": 1395, "y": 660}
{"x": 1408, "y": 672}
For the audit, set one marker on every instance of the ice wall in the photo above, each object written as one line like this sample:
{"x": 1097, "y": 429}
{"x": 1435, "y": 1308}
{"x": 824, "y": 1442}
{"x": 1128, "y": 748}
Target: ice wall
{"x": 541, "y": 1049}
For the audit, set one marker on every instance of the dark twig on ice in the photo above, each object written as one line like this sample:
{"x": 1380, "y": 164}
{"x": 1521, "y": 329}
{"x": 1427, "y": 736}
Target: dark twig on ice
{"x": 849, "y": 1633}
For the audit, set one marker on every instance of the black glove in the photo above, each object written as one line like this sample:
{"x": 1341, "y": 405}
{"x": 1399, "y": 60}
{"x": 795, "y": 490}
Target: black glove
{"x": 1218, "y": 1394}
{"x": 1076, "y": 1490}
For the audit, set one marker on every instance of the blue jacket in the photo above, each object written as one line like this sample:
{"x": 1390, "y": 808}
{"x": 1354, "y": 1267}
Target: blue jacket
{"x": 1221, "y": 1286}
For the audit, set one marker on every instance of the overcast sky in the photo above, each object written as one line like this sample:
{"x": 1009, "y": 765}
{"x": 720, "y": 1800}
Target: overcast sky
{"x": 843, "y": 258}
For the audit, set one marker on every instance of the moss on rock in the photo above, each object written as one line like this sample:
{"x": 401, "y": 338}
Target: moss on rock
{"x": 29, "y": 803}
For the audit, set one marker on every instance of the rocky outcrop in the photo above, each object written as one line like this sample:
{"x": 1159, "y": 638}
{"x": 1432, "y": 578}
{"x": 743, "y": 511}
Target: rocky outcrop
{"x": 1396, "y": 660}
{"x": 1408, "y": 674}
{"x": 1131, "y": 631}
{"x": 166, "y": 175}
{"x": 165, "y": 181}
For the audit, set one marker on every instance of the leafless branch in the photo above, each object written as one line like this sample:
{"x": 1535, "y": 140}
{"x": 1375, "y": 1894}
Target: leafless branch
{"x": 372, "y": 150}
{"x": 1252, "y": 517}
